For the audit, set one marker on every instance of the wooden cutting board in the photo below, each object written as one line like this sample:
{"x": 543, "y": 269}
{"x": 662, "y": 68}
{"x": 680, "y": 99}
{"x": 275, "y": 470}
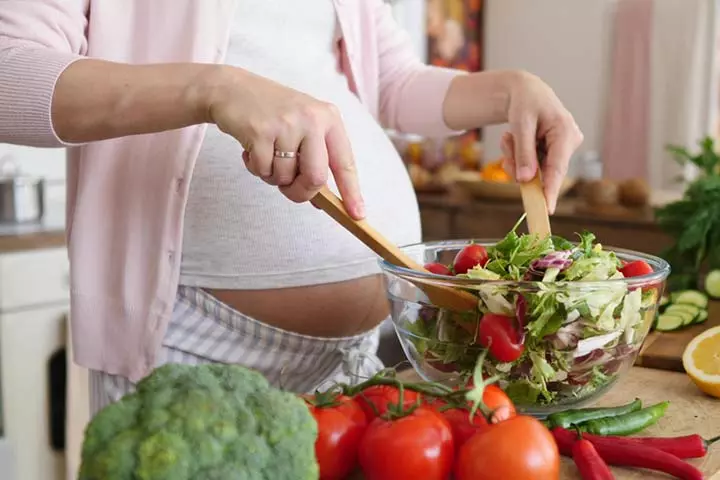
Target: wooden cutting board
{"x": 664, "y": 350}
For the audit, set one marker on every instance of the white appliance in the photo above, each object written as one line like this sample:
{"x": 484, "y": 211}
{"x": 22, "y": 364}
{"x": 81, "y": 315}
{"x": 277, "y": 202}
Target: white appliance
{"x": 34, "y": 302}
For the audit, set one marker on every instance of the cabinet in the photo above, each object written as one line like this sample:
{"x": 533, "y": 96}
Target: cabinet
{"x": 34, "y": 304}
{"x": 456, "y": 216}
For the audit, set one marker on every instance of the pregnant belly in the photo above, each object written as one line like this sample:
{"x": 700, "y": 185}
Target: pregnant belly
{"x": 330, "y": 310}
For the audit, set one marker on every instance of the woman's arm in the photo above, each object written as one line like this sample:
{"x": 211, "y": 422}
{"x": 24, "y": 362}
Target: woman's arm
{"x": 411, "y": 94}
{"x": 532, "y": 111}
{"x": 38, "y": 40}
{"x": 479, "y": 99}
{"x": 436, "y": 101}
{"x": 97, "y": 100}
{"x": 50, "y": 96}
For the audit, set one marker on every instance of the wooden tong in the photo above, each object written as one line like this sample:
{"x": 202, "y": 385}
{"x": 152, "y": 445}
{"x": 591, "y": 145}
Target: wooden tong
{"x": 441, "y": 296}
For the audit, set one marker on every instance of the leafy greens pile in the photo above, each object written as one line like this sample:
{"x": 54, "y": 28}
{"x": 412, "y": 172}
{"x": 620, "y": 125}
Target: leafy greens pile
{"x": 579, "y": 328}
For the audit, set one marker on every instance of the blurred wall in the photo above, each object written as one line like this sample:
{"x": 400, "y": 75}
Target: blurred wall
{"x": 566, "y": 43}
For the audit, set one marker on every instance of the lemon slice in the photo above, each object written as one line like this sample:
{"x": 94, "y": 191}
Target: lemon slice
{"x": 701, "y": 360}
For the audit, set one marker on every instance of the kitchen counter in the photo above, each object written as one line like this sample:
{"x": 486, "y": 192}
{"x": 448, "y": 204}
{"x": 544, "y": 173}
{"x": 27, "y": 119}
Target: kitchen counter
{"x": 456, "y": 215}
{"x": 47, "y": 233}
{"x": 690, "y": 411}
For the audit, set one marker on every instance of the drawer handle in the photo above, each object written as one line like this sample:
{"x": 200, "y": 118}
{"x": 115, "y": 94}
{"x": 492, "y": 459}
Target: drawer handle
{"x": 57, "y": 386}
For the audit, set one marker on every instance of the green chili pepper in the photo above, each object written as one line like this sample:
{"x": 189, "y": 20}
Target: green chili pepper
{"x": 568, "y": 418}
{"x": 627, "y": 424}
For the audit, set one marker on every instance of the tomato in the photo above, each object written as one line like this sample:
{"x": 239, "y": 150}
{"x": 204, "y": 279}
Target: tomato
{"x": 376, "y": 399}
{"x": 469, "y": 257}
{"x": 499, "y": 403}
{"x": 419, "y": 445}
{"x": 459, "y": 419}
{"x": 637, "y": 268}
{"x": 438, "y": 269}
{"x": 517, "y": 449}
{"x": 340, "y": 428}
{"x": 499, "y": 335}
{"x": 461, "y": 426}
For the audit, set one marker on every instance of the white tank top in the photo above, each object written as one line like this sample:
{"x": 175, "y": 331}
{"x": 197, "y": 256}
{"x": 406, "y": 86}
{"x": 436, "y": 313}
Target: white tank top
{"x": 240, "y": 233}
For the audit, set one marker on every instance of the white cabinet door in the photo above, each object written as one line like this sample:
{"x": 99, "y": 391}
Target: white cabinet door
{"x": 27, "y": 341}
{"x": 34, "y": 279}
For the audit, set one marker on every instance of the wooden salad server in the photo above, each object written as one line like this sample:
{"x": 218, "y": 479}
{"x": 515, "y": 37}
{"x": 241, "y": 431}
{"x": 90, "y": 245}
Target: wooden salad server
{"x": 534, "y": 203}
{"x": 440, "y": 295}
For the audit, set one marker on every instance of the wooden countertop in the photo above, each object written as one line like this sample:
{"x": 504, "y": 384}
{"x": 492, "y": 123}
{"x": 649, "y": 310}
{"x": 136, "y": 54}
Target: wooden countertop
{"x": 690, "y": 411}
{"x": 568, "y": 208}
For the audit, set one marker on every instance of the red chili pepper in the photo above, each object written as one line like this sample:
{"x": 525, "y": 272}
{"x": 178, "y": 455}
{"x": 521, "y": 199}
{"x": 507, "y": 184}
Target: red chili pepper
{"x": 636, "y": 455}
{"x": 688, "y": 446}
{"x": 589, "y": 462}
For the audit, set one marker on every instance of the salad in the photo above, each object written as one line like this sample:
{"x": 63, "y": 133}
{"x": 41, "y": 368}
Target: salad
{"x": 556, "y": 326}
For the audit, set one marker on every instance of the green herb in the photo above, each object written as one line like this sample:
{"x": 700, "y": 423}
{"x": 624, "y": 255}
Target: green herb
{"x": 560, "y": 243}
{"x": 586, "y": 243}
{"x": 694, "y": 221}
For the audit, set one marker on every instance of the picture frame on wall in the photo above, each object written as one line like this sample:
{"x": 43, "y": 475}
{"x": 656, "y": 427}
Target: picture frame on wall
{"x": 455, "y": 31}
{"x": 455, "y": 39}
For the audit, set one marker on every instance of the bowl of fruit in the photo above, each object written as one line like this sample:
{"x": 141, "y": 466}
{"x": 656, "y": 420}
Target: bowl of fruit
{"x": 559, "y": 322}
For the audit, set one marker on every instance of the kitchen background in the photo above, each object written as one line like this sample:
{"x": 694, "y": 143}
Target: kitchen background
{"x": 637, "y": 75}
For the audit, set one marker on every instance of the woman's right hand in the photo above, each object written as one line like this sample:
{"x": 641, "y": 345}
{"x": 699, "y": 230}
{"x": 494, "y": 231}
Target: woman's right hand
{"x": 268, "y": 118}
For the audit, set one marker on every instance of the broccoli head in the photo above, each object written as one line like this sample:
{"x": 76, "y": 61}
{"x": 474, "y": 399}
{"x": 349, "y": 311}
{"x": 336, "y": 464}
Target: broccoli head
{"x": 207, "y": 422}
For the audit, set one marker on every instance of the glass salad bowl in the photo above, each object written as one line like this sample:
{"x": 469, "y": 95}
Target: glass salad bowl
{"x": 560, "y": 320}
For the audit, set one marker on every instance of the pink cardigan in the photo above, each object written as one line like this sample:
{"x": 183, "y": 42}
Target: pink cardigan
{"x": 126, "y": 197}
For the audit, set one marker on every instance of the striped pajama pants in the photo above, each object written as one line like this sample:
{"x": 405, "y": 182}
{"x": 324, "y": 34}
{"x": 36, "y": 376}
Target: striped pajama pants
{"x": 204, "y": 330}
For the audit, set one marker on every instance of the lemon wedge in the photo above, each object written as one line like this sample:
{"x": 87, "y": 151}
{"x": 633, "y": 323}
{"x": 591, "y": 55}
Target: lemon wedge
{"x": 701, "y": 360}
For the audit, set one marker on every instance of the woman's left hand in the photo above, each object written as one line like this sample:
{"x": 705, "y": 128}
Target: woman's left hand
{"x": 534, "y": 113}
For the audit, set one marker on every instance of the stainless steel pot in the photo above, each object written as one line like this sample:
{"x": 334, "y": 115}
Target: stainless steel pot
{"x": 22, "y": 197}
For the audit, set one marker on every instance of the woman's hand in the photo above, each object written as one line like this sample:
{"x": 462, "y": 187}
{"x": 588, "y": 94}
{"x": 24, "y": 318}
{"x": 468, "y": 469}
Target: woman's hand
{"x": 533, "y": 112}
{"x": 290, "y": 139}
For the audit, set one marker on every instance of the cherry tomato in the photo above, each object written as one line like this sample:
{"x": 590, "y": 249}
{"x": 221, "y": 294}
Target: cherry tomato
{"x": 419, "y": 445}
{"x": 516, "y": 449}
{"x": 469, "y": 257}
{"x": 498, "y": 333}
{"x": 376, "y": 399}
{"x": 499, "y": 403}
{"x": 636, "y": 268}
{"x": 438, "y": 269}
{"x": 340, "y": 429}
{"x": 639, "y": 268}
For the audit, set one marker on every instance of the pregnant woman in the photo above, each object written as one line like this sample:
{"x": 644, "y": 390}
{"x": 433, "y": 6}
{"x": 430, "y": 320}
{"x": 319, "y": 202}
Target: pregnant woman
{"x": 198, "y": 130}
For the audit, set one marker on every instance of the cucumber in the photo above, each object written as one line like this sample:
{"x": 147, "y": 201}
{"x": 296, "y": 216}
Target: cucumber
{"x": 668, "y": 323}
{"x": 712, "y": 284}
{"x": 690, "y": 297}
{"x": 664, "y": 302}
{"x": 702, "y": 317}
{"x": 688, "y": 313}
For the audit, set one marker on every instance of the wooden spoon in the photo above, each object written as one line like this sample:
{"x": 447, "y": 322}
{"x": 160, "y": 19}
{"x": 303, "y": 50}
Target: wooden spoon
{"x": 533, "y": 197}
{"x": 441, "y": 296}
